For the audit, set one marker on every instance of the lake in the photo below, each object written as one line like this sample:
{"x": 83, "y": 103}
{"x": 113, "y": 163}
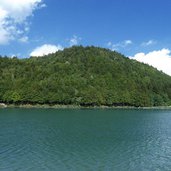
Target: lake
{"x": 85, "y": 140}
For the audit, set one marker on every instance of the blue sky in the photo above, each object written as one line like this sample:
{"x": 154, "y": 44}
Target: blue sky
{"x": 128, "y": 26}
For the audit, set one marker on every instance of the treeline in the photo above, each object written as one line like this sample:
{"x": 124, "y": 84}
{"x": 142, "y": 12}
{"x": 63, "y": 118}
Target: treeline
{"x": 84, "y": 76}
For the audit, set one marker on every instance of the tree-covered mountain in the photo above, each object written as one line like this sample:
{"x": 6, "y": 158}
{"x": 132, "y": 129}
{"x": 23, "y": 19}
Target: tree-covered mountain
{"x": 83, "y": 76}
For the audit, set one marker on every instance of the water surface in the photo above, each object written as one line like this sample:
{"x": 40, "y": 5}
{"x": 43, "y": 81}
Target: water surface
{"x": 85, "y": 140}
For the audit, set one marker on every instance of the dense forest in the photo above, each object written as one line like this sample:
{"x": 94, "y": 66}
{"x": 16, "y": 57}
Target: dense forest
{"x": 86, "y": 76}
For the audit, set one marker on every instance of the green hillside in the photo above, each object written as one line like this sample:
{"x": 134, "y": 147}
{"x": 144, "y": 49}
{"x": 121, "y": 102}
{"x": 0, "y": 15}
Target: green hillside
{"x": 84, "y": 76}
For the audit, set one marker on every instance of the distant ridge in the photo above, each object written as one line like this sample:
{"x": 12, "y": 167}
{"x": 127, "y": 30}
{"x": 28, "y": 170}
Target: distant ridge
{"x": 86, "y": 76}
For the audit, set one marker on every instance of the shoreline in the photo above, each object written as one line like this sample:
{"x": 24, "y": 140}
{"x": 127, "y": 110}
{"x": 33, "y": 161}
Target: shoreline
{"x": 57, "y": 106}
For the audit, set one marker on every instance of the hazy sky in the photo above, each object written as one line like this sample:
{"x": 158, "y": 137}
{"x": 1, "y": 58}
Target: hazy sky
{"x": 140, "y": 29}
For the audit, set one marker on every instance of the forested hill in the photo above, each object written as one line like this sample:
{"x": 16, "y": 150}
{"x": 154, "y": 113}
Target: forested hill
{"x": 84, "y": 76}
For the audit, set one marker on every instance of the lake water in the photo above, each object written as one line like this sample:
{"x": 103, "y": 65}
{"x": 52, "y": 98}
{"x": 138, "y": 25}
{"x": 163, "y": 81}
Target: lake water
{"x": 85, "y": 140}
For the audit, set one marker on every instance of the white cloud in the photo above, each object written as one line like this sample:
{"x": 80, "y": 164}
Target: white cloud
{"x": 15, "y": 55}
{"x": 42, "y": 6}
{"x": 14, "y": 18}
{"x": 24, "y": 39}
{"x": 109, "y": 44}
{"x": 160, "y": 59}
{"x": 45, "y": 50}
{"x": 74, "y": 40}
{"x": 149, "y": 43}
{"x": 127, "y": 42}
{"x": 119, "y": 45}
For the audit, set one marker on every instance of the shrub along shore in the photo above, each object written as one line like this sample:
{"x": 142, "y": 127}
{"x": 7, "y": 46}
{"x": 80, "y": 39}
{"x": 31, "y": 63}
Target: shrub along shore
{"x": 57, "y": 106}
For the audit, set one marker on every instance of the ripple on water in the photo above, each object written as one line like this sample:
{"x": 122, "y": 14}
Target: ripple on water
{"x": 81, "y": 140}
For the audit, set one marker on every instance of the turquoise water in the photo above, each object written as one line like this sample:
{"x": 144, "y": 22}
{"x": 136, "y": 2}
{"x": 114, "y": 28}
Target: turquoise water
{"x": 85, "y": 140}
